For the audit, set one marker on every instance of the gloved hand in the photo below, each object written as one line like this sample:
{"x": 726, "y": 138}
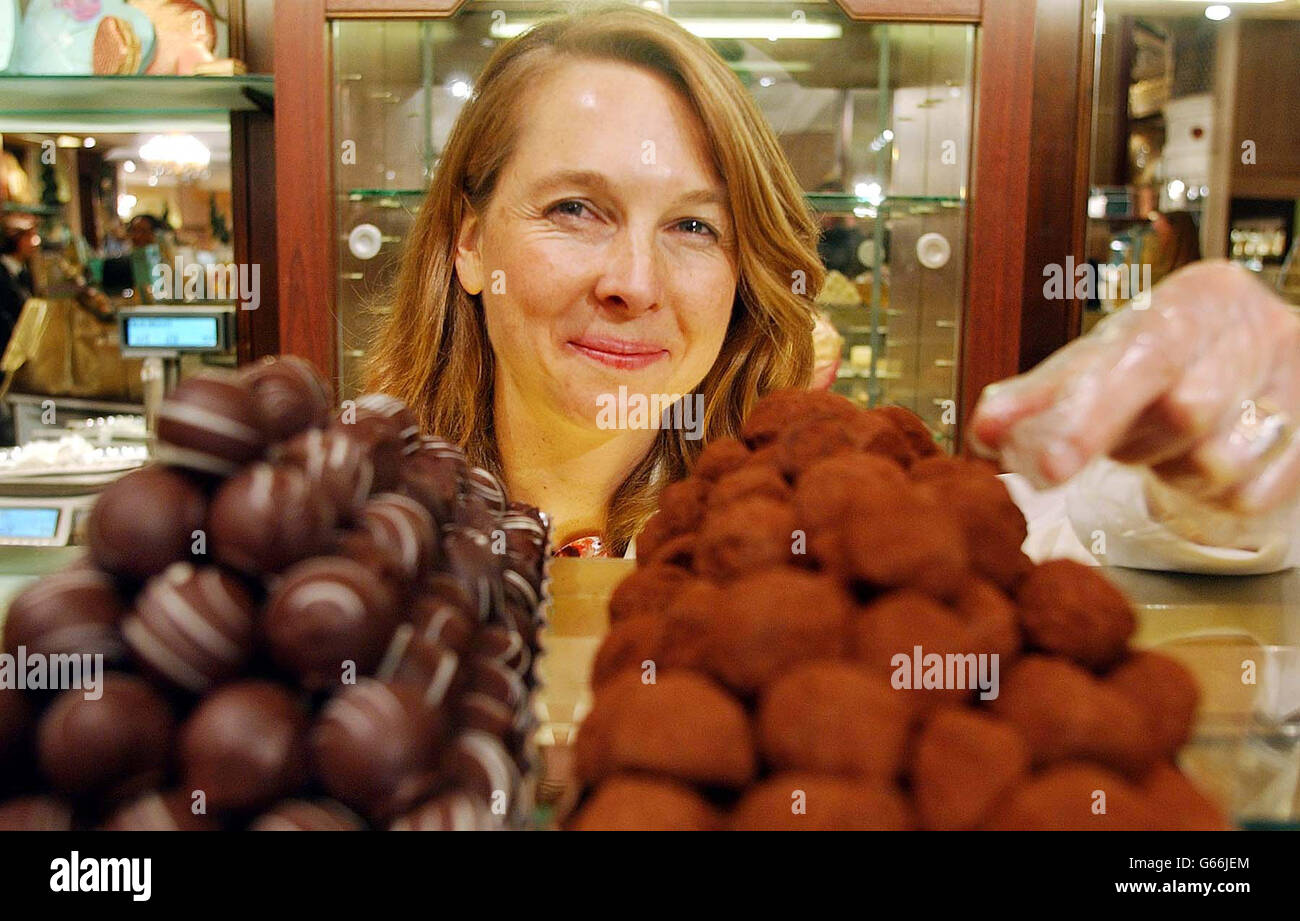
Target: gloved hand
{"x": 1199, "y": 380}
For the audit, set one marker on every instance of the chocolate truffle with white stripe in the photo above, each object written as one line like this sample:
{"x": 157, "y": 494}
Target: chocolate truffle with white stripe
{"x": 289, "y": 395}
{"x": 268, "y": 517}
{"x": 71, "y": 611}
{"x": 405, "y": 530}
{"x": 480, "y": 763}
{"x": 113, "y": 745}
{"x": 308, "y": 815}
{"x": 245, "y": 745}
{"x": 145, "y": 521}
{"x": 411, "y": 657}
{"x": 170, "y": 811}
{"x": 374, "y": 747}
{"x": 469, "y": 560}
{"x": 327, "y": 614}
{"x": 453, "y": 811}
{"x": 387, "y": 427}
{"x": 208, "y": 423}
{"x": 192, "y": 626}
{"x": 432, "y": 475}
{"x": 335, "y": 463}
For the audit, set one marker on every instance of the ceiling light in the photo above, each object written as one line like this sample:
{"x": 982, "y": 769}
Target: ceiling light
{"x": 1218, "y": 12}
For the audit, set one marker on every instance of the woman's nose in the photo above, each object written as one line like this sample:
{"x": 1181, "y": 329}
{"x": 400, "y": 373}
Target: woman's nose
{"x": 631, "y": 279}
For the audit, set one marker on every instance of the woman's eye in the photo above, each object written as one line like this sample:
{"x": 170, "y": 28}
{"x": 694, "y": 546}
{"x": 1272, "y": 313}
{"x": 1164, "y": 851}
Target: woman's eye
{"x": 705, "y": 228}
{"x": 572, "y": 207}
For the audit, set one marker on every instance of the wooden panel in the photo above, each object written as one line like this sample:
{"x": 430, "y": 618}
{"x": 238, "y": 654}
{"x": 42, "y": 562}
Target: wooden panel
{"x": 303, "y": 163}
{"x": 391, "y": 9}
{"x": 253, "y": 220}
{"x": 913, "y": 10}
{"x": 1267, "y": 107}
{"x": 1058, "y": 179}
{"x": 999, "y": 198}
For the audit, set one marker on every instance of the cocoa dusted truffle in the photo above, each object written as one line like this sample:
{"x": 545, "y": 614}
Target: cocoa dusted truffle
{"x": 964, "y": 762}
{"x": 682, "y": 726}
{"x": 747, "y": 535}
{"x": 672, "y": 641}
{"x": 1166, "y": 694}
{"x": 336, "y": 465}
{"x": 647, "y": 590}
{"x": 288, "y": 395}
{"x": 325, "y": 614}
{"x": 145, "y": 521}
{"x": 798, "y": 801}
{"x": 1178, "y": 803}
{"x": 174, "y": 810}
{"x": 245, "y": 745}
{"x": 918, "y": 435}
{"x": 719, "y": 457}
{"x": 268, "y": 517}
{"x": 825, "y": 487}
{"x": 630, "y": 802}
{"x": 1074, "y": 797}
{"x": 898, "y": 622}
{"x": 373, "y": 747}
{"x": 111, "y": 746}
{"x": 192, "y": 626}
{"x": 990, "y": 620}
{"x": 682, "y": 505}
{"x": 747, "y": 483}
{"x": 920, "y": 548}
{"x": 209, "y": 423}
{"x": 781, "y": 408}
{"x": 771, "y": 619}
{"x": 308, "y": 815}
{"x": 1065, "y": 713}
{"x": 74, "y": 611}
{"x": 834, "y": 717}
{"x": 1070, "y": 609}
{"x": 994, "y": 527}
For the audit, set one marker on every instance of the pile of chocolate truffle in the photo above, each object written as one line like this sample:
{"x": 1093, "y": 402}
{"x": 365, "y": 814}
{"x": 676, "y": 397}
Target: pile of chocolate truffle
{"x": 808, "y": 642}
{"x": 305, "y": 622}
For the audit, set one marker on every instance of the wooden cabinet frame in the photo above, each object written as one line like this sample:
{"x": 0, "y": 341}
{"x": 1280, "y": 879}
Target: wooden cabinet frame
{"x": 1028, "y": 170}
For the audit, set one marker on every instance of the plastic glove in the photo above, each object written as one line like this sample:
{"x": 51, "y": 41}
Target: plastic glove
{"x": 1199, "y": 380}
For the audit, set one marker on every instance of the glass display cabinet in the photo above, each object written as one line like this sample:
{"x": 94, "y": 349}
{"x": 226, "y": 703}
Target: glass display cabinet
{"x": 909, "y": 124}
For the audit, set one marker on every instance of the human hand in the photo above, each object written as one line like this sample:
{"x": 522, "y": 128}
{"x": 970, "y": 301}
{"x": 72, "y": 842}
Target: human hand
{"x": 1200, "y": 381}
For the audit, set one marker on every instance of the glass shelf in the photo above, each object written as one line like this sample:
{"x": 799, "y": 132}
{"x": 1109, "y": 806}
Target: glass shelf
{"x": 72, "y": 103}
{"x": 822, "y": 202}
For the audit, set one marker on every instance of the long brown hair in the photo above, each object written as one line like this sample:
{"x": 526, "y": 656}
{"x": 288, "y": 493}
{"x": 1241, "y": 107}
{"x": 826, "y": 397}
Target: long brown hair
{"x": 433, "y": 350}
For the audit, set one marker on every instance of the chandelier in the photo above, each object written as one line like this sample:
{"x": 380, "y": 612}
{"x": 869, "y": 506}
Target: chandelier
{"x": 181, "y": 155}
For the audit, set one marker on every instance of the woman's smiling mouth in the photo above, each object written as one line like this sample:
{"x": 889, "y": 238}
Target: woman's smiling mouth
{"x": 623, "y": 354}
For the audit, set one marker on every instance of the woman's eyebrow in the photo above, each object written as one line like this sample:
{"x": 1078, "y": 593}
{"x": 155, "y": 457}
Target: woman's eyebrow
{"x": 596, "y": 180}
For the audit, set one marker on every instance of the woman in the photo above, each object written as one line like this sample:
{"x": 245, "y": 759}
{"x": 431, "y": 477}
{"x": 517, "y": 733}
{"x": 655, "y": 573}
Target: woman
{"x": 612, "y": 214}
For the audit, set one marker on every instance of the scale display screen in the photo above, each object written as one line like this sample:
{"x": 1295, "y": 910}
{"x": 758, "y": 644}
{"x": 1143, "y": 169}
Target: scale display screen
{"x": 31, "y": 523}
{"x": 148, "y": 332}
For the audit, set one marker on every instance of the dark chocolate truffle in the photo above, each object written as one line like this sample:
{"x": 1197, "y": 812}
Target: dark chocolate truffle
{"x": 404, "y": 529}
{"x": 308, "y": 815}
{"x": 113, "y": 745}
{"x": 268, "y": 517}
{"x": 245, "y": 746}
{"x": 74, "y": 611}
{"x": 480, "y": 764}
{"x": 336, "y": 464}
{"x": 170, "y": 811}
{"x": 325, "y": 613}
{"x": 192, "y": 626}
{"x": 209, "y": 423}
{"x": 36, "y": 813}
{"x": 288, "y": 395}
{"x": 374, "y": 747}
{"x": 145, "y": 521}
{"x": 456, "y": 810}
{"x": 15, "y": 726}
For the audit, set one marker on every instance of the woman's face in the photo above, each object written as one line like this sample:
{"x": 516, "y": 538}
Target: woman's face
{"x": 606, "y": 257}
